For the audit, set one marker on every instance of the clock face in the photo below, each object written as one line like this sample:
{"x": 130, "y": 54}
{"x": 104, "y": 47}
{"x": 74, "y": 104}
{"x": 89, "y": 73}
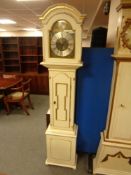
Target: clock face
{"x": 62, "y": 40}
{"x": 126, "y": 34}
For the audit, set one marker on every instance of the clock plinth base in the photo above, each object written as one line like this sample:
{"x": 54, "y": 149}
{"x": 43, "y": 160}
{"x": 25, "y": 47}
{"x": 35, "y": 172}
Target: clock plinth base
{"x": 112, "y": 158}
{"x": 61, "y": 147}
{"x": 62, "y": 165}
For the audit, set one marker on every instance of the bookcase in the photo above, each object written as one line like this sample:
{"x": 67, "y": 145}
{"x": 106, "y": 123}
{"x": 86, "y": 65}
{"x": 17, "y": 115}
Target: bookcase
{"x": 10, "y": 48}
{"x": 31, "y": 54}
{"x": 1, "y": 57}
{"x": 22, "y": 56}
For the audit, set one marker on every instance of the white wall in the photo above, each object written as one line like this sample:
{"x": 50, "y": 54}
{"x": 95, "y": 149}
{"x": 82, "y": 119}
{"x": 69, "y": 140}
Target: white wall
{"x": 20, "y": 34}
{"x": 112, "y": 25}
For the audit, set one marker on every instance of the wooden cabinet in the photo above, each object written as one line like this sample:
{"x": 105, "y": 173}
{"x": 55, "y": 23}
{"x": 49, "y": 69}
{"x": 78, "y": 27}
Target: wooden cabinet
{"x": 22, "y": 56}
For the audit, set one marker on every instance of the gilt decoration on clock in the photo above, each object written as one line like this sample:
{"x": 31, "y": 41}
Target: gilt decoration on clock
{"x": 126, "y": 34}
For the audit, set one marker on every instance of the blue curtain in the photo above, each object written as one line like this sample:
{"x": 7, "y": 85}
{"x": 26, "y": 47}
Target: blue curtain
{"x": 92, "y": 96}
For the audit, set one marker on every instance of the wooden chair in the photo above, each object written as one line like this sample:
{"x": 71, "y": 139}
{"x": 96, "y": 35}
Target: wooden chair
{"x": 9, "y": 76}
{"x": 1, "y": 97}
{"x": 18, "y": 95}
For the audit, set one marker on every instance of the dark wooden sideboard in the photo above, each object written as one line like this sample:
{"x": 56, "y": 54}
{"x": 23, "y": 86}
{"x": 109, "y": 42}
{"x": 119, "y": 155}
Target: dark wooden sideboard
{"x": 39, "y": 82}
{"x": 22, "y": 56}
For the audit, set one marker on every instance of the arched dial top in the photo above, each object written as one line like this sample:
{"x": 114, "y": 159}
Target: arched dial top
{"x": 62, "y": 40}
{"x": 126, "y": 34}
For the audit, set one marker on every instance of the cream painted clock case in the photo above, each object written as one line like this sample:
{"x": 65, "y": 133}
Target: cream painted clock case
{"x": 61, "y": 26}
{"x": 114, "y": 152}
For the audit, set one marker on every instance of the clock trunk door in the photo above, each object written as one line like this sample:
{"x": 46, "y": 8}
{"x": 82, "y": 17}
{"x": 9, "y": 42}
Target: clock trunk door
{"x": 61, "y": 100}
{"x": 120, "y": 127}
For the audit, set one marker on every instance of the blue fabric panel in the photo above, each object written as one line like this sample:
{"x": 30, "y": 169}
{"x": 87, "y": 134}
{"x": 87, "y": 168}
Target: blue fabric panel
{"x": 92, "y": 96}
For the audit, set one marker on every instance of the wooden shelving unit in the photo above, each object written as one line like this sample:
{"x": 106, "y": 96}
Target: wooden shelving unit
{"x": 30, "y": 54}
{"x": 1, "y": 57}
{"x": 27, "y": 49}
{"x": 22, "y": 56}
{"x": 11, "y": 60}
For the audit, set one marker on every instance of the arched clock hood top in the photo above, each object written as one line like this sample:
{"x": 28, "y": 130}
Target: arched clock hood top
{"x": 62, "y": 8}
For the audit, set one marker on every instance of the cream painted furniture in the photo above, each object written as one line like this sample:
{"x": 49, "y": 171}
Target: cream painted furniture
{"x": 114, "y": 152}
{"x": 61, "y": 25}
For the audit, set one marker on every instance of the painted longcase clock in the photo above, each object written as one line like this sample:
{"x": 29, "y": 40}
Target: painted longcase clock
{"x": 114, "y": 153}
{"x": 61, "y": 25}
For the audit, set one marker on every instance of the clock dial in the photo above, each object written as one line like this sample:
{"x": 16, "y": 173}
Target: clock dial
{"x": 62, "y": 44}
{"x": 62, "y": 40}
